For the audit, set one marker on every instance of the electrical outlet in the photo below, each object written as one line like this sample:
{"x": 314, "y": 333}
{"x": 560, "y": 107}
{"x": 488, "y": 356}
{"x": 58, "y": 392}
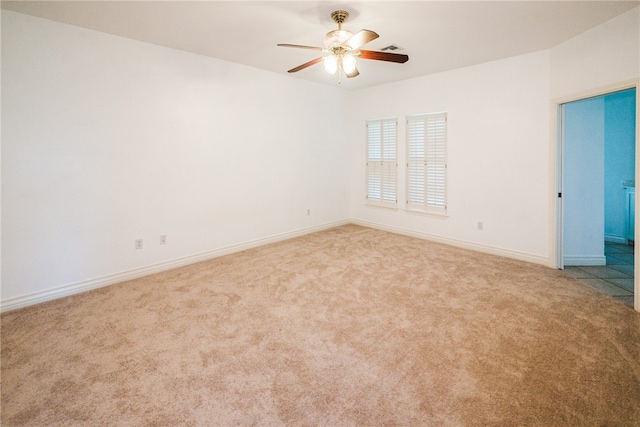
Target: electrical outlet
{"x": 163, "y": 239}
{"x": 138, "y": 243}
{"x": 308, "y": 212}
{"x": 480, "y": 226}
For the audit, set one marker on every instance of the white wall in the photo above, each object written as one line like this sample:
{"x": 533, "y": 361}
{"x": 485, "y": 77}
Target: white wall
{"x": 107, "y": 140}
{"x": 583, "y": 182}
{"x": 605, "y": 55}
{"x": 498, "y": 131}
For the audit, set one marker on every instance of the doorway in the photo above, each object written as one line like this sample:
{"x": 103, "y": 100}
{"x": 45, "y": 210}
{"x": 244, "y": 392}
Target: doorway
{"x": 597, "y": 191}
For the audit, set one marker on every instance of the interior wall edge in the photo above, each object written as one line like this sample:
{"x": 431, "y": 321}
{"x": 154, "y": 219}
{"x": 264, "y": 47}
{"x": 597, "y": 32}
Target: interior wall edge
{"x": 491, "y": 250}
{"x": 23, "y": 301}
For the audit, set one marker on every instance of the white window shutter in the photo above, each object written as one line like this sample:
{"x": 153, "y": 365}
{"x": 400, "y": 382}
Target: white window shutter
{"x": 427, "y": 163}
{"x": 382, "y": 162}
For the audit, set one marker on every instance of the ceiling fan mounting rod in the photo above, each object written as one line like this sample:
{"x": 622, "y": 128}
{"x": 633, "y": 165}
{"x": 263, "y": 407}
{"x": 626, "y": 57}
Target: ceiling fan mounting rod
{"x": 339, "y": 16}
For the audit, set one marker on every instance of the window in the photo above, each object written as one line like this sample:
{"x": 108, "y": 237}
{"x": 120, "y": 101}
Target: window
{"x": 382, "y": 162}
{"x": 427, "y": 163}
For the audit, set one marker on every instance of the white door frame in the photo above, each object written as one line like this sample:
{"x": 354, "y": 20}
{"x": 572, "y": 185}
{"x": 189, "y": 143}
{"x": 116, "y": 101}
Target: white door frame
{"x": 556, "y": 154}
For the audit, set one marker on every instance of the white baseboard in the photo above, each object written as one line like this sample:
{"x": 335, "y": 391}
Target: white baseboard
{"x": 99, "y": 282}
{"x": 536, "y": 259}
{"x": 615, "y": 239}
{"x": 575, "y": 261}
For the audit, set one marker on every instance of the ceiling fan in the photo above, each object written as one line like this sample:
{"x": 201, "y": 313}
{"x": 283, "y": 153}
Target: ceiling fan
{"x": 343, "y": 47}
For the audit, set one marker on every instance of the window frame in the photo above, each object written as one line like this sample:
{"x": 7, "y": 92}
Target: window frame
{"x": 426, "y": 162}
{"x": 382, "y": 163}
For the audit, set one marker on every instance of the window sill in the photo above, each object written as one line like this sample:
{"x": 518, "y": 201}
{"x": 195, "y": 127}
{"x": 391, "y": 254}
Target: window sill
{"x": 385, "y": 207}
{"x": 428, "y": 214}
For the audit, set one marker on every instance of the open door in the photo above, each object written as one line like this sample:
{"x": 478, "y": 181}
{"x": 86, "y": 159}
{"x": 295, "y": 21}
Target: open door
{"x": 595, "y": 185}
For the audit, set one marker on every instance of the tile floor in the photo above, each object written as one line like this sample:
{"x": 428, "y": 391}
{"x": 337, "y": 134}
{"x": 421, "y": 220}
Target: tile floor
{"x": 615, "y": 278}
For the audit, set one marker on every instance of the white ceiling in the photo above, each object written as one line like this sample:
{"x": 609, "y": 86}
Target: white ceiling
{"x": 437, "y": 35}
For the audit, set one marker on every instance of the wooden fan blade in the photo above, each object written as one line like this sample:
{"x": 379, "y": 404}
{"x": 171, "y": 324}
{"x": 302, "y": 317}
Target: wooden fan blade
{"x": 300, "y": 46}
{"x": 360, "y": 38}
{"x": 305, "y": 65}
{"x": 384, "y": 56}
{"x": 353, "y": 74}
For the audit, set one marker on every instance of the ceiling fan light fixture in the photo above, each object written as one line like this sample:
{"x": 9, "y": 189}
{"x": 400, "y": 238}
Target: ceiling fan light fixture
{"x": 331, "y": 64}
{"x": 348, "y": 64}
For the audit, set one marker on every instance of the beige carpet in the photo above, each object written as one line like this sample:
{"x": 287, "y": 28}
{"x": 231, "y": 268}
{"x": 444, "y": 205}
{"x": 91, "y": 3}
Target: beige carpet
{"x": 349, "y": 326}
